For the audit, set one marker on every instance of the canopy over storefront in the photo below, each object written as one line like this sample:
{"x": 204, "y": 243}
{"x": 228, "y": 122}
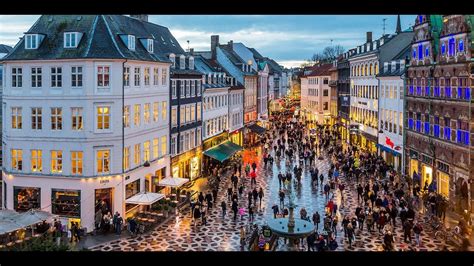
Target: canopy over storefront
{"x": 173, "y": 182}
{"x": 223, "y": 151}
{"x": 257, "y": 129}
{"x": 386, "y": 149}
{"x": 11, "y": 220}
{"x": 145, "y": 198}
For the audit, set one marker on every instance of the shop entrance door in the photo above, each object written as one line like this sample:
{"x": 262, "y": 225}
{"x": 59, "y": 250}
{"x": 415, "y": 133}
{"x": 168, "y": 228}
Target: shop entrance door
{"x": 103, "y": 200}
{"x": 427, "y": 176}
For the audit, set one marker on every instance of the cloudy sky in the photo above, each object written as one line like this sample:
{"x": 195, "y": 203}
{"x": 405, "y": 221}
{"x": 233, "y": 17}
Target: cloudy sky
{"x": 290, "y": 40}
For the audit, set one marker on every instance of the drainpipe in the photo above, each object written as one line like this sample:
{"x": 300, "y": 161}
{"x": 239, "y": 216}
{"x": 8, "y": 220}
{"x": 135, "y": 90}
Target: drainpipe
{"x": 123, "y": 139}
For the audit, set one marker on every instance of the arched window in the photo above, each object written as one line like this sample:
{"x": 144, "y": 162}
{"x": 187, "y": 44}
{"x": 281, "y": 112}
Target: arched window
{"x": 427, "y": 51}
{"x": 182, "y": 62}
{"x": 372, "y": 72}
{"x": 191, "y": 62}
{"x": 443, "y": 48}
{"x": 365, "y": 70}
{"x": 452, "y": 47}
{"x": 461, "y": 46}
{"x": 413, "y": 55}
{"x": 376, "y": 68}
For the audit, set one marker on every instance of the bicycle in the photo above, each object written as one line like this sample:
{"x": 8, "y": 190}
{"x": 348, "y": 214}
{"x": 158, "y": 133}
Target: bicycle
{"x": 449, "y": 235}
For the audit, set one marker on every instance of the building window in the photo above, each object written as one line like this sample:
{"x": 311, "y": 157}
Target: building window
{"x": 17, "y": 159}
{"x": 325, "y": 92}
{"x": 131, "y": 42}
{"x": 76, "y": 76}
{"x": 173, "y": 145}
{"x": 447, "y": 128}
{"x": 147, "y": 76}
{"x": 173, "y": 89}
{"x": 452, "y": 46}
{"x": 36, "y": 161}
{"x": 326, "y": 106}
{"x": 137, "y": 155}
{"x": 136, "y": 115}
{"x": 181, "y": 87}
{"x": 56, "y": 162}
{"x": 56, "y": 77}
{"x": 443, "y": 48}
{"x": 31, "y": 41}
{"x": 17, "y": 77}
{"x": 198, "y": 88}
{"x": 198, "y": 136}
{"x": 76, "y": 162}
{"x": 146, "y": 113}
{"x": 103, "y": 75}
{"x": 70, "y": 40}
{"x": 126, "y": 158}
{"x": 126, "y": 116}
{"x": 16, "y": 118}
{"x": 181, "y": 143}
{"x": 188, "y": 114}
{"x": 427, "y": 124}
{"x": 163, "y": 146}
{"x": 420, "y": 52}
{"x": 462, "y": 134}
{"x": 155, "y": 148}
{"x": 436, "y": 127}
{"x": 193, "y": 88}
{"x": 164, "y": 109}
{"x": 103, "y": 117}
{"x": 66, "y": 203}
{"x": 174, "y": 120}
{"x": 198, "y": 112}
{"x": 146, "y": 151}
{"x": 77, "y": 120}
{"x": 182, "y": 114}
{"x": 461, "y": 46}
{"x": 36, "y": 77}
{"x": 126, "y": 76}
{"x": 164, "y": 77}
{"x": 137, "y": 77}
{"x": 56, "y": 118}
{"x": 36, "y": 118}
{"x": 149, "y": 46}
{"x": 155, "y": 76}
{"x": 103, "y": 161}
{"x": 193, "y": 112}
{"x": 155, "y": 112}
{"x": 188, "y": 93}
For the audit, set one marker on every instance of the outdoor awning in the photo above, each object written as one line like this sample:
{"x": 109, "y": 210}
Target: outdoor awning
{"x": 173, "y": 182}
{"x": 145, "y": 198}
{"x": 386, "y": 149}
{"x": 257, "y": 129}
{"x": 223, "y": 151}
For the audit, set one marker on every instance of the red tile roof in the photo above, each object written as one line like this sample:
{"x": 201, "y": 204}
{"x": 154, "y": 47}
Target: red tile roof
{"x": 321, "y": 70}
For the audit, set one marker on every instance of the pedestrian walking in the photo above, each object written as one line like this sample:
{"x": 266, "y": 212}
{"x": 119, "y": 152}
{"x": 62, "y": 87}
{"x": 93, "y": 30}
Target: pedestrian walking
{"x": 417, "y": 229}
{"x": 235, "y": 209}
{"x": 316, "y": 220}
{"x": 260, "y": 196}
{"x": 275, "y": 211}
{"x": 224, "y": 208}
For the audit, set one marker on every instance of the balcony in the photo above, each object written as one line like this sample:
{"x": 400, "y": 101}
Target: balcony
{"x": 332, "y": 83}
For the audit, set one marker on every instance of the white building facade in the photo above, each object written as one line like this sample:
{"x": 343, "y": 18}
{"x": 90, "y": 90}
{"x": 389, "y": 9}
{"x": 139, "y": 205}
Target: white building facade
{"x": 316, "y": 94}
{"x": 66, "y": 150}
{"x": 391, "y": 108}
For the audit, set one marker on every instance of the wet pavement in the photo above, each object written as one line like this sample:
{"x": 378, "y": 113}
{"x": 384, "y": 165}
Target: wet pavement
{"x": 222, "y": 234}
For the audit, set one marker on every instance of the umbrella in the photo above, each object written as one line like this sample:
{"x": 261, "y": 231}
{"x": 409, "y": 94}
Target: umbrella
{"x": 145, "y": 198}
{"x": 33, "y": 217}
{"x": 173, "y": 182}
{"x": 8, "y": 226}
{"x": 8, "y": 214}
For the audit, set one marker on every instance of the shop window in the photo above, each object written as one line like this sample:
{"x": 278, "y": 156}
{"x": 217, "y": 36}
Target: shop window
{"x": 26, "y": 198}
{"x": 66, "y": 202}
{"x": 132, "y": 188}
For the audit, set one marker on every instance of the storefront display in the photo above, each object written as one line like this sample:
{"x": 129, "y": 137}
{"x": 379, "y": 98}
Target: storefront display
{"x": 103, "y": 200}
{"x": 66, "y": 202}
{"x": 132, "y": 188}
{"x": 427, "y": 175}
{"x": 159, "y": 174}
{"x": 26, "y": 198}
{"x": 443, "y": 184}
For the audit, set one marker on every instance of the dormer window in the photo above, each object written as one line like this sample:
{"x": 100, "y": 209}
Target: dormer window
{"x": 191, "y": 62}
{"x": 182, "y": 62}
{"x": 71, "y": 39}
{"x": 131, "y": 42}
{"x": 149, "y": 45}
{"x": 32, "y": 41}
{"x": 173, "y": 60}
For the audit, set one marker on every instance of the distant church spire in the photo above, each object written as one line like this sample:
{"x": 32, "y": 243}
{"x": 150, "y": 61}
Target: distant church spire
{"x": 399, "y": 26}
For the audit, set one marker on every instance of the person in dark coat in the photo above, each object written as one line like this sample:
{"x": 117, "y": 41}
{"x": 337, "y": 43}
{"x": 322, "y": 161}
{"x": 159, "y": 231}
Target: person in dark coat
{"x": 255, "y": 195}
{"x": 214, "y": 195}
{"x": 407, "y": 226}
{"x": 260, "y": 196}
{"x": 316, "y": 220}
{"x": 235, "y": 209}
{"x": 275, "y": 210}
{"x": 224, "y": 208}
{"x": 201, "y": 198}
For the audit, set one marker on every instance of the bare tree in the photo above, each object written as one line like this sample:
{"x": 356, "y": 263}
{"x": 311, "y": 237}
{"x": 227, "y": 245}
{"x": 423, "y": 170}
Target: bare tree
{"x": 329, "y": 53}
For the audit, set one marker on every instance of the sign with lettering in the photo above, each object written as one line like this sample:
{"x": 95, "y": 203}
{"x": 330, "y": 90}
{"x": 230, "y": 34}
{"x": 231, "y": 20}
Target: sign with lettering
{"x": 104, "y": 181}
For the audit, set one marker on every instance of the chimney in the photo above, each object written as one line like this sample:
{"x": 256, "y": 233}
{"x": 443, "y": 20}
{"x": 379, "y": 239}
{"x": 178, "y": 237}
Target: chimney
{"x": 140, "y": 17}
{"x": 231, "y": 44}
{"x": 214, "y": 44}
{"x": 191, "y": 51}
{"x": 399, "y": 26}
{"x": 369, "y": 36}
